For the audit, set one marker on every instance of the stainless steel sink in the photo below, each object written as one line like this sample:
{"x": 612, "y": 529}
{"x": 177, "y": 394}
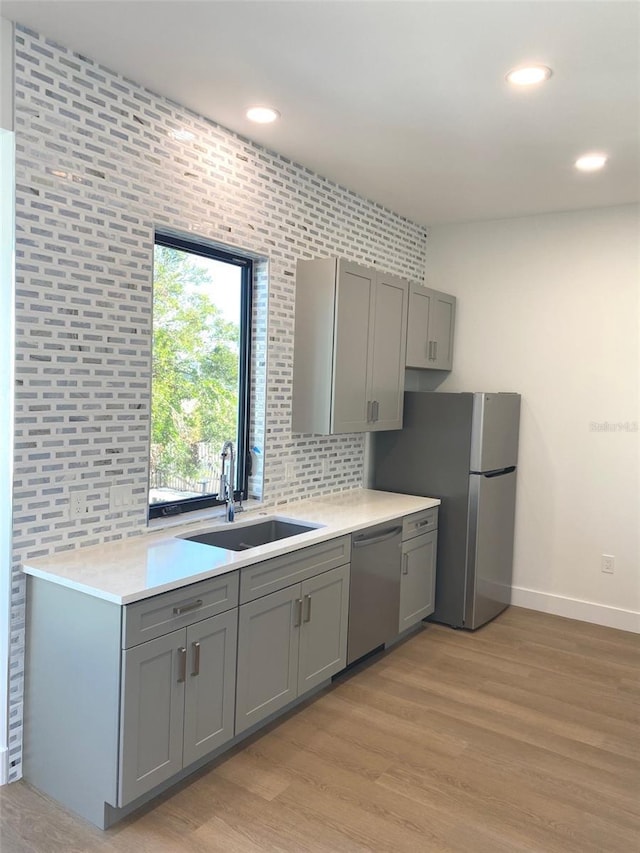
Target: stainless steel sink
{"x": 245, "y": 536}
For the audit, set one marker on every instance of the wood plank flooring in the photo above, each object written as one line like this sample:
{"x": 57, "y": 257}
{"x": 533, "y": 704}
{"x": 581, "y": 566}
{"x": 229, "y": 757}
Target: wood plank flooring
{"x": 524, "y": 736}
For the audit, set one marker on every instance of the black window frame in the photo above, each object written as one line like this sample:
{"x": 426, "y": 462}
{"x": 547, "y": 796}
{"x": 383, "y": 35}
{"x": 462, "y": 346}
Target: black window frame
{"x": 197, "y": 246}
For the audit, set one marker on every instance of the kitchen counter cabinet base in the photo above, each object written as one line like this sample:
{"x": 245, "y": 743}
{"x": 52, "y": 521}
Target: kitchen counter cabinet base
{"x": 288, "y": 642}
{"x": 71, "y": 735}
{"x": 418, "y": 581}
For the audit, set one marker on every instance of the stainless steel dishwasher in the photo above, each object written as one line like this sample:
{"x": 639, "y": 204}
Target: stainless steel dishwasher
{"x": 374, "y": 592}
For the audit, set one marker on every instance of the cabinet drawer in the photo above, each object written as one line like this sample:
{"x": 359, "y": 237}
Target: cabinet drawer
{"x": 169, "y": 611}
{"x": 420, "y": 522}
{"x": 271, "y": 575}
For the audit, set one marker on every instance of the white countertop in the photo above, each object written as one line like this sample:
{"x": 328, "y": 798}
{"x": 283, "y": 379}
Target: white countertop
{"x": 156, "y": 562}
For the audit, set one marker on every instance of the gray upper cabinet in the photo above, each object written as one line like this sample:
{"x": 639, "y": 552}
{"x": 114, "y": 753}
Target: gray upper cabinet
{"x": 350, "y": 346}
{"x": 430, "y": 328}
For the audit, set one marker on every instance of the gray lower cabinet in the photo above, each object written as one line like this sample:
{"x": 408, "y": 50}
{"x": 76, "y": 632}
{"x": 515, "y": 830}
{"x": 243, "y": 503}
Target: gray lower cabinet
{"x": 289, "y": 642}
{"x": 418, "y": 579}
{"x": 177, "y": 702}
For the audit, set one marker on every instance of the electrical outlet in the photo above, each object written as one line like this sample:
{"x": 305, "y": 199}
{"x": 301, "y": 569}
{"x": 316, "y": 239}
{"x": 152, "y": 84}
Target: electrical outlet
{"x": 326, "y": 467}
{"x": 77, "y": 504}
{"x": 608, "y": 564}
{"x": 290, "y": 472}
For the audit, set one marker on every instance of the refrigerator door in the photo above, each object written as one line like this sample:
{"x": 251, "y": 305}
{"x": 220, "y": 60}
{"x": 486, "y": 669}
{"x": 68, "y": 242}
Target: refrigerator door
{"x": 494, "y": 431}
{"x": 430, "y": 456}
{"x": 492, "y": 501}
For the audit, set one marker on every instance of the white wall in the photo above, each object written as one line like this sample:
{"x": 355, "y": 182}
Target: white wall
{"x": 548, "y": 306}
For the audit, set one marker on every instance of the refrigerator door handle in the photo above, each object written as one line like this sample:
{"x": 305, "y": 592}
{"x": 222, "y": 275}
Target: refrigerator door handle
{"x": 500, "y": 473}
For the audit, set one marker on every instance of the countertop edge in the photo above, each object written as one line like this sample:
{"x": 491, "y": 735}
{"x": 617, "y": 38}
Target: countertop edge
{"x": 237, "y": 559}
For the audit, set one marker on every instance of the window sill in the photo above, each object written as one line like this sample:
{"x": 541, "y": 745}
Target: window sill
{"x": 210, "y": 513}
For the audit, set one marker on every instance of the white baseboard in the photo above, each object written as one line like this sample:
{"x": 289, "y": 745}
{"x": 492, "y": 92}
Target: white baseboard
{"x": 4, "y": 765}
{"x": 575, "y": 608}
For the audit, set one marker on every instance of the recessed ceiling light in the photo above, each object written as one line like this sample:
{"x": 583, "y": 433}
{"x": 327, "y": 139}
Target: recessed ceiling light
{"x": 529, "y": 75}
{"x": 591, "y": 162}
{"x": 262, "y": 115}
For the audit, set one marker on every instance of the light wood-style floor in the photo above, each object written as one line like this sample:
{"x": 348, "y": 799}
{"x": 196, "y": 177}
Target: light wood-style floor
{"x": 524, "y": 736}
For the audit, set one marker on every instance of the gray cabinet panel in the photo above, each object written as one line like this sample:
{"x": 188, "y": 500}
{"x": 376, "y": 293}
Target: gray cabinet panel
{"x": 323, "y": 635}
{"x": 279, "y": 572}
{"x": 418, "y": 579}
{"x": 152, "y": 715}
{"x": 419, "y": 523}
{"x": 353, "y": 351}
{"x": 155, "y": 616}
{"x": 211, "y": 684}
{"x": 430, "y": 329}
{"x": 267, "y": 674}
{"x": 349, "y": 353}
{"x": 388, "y": 352}
{"x": 418, "y": 349}
{"x": 441, "y": 324}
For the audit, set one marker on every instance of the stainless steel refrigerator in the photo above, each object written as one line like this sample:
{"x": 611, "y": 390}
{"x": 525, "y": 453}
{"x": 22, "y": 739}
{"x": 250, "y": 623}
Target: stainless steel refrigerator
{"x": 462, "y": 448}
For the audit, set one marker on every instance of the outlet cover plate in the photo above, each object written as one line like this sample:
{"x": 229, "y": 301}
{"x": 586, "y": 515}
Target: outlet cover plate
{"x": 77, "y": 504}
{"x": 608, "y": 564}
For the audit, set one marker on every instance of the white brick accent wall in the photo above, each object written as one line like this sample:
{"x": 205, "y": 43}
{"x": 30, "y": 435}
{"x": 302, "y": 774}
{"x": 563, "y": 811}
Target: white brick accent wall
{"x": 98, "y": 169}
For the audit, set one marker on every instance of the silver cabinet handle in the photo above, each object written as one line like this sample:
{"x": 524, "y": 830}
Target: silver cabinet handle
{"x": 307, "y": 609}
{"x": 405, "y": 564}
{"x": 186, "y": 608}
{"x": 182, "y": 664}
{"x": 423, "y": 523}
{"x": 430, "y": 356}
{"x": 369, "y": 411}
{"x": 435, "y": 350}
{"x": 196, "y": 658}
{"x": 298, "y": 617}
{"x": 376, "y": 410}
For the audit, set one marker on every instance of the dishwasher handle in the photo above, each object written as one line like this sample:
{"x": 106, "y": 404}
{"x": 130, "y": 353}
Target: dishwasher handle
{"x": 361, "y": 542}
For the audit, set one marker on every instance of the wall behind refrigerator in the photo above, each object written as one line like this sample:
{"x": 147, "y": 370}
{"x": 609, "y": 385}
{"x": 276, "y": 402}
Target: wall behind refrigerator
{"x": 548, "y": 306}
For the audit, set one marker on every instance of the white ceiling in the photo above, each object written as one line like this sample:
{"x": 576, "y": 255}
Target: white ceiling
{"x": 403, "y": 102}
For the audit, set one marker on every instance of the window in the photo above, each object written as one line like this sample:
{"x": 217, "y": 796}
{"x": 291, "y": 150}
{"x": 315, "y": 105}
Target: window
{"x": 200, "y": 374}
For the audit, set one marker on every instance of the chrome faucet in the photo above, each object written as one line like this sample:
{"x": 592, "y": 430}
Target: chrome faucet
{"x": 227, "y": 482}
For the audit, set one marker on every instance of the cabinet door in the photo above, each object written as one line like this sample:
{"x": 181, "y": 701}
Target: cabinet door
{"x": 211, "y": 685}
{"x": 389, "y": 351}
{"x": 268, "y": 636}
{"x": 355, "y": 306}
{"x": 418, "y": 579}
{"x": 419, "y": 347}
{"x": 152, "y": 714}
{"x": 323, "y": 635}
{"x": 441, "y": 325}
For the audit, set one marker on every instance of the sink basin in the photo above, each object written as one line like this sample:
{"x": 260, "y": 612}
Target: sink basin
{"x": 246, "y": 536}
